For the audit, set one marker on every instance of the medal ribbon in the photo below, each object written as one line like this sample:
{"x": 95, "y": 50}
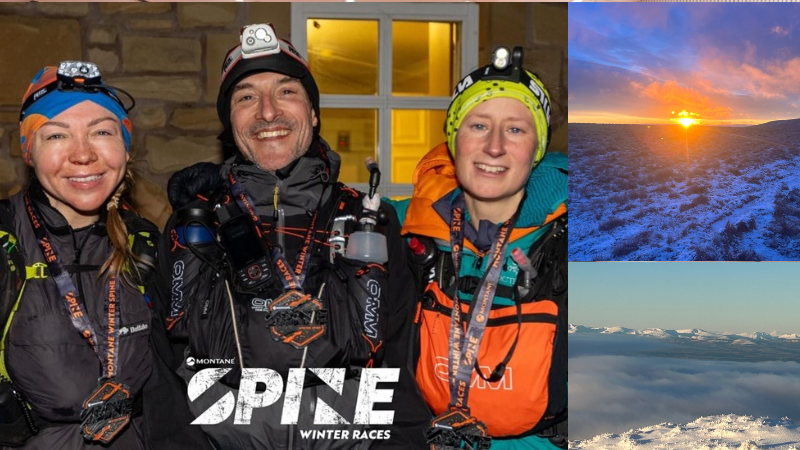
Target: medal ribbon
{"x": 107, "y": 351}
{"x": 291, "y": 280}
{"x": 463, "y": 348}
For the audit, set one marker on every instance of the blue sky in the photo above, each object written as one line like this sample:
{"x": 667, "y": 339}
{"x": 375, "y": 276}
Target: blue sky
{"x": 715, "y": 296}
{"x": 722, "y": 63}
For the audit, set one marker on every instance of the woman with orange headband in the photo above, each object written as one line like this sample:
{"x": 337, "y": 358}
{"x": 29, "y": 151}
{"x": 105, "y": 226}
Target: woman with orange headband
{"x": 81, "y": 354}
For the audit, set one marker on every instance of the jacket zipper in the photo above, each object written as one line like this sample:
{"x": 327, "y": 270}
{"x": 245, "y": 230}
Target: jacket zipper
{"x": 77, "y": 263}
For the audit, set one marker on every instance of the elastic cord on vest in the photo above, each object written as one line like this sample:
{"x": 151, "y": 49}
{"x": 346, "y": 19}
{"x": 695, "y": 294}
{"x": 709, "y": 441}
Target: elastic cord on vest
{"x": 463, "y": 350}
{"x": 291, "y": 280}
{"x": 497, "y": 373}
{"x": 500, "y": 368}
{"x": 106, "y": 351}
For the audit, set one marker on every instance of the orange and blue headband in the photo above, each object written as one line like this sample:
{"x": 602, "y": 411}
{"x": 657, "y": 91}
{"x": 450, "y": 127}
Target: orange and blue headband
{"x": 54, "y": 90}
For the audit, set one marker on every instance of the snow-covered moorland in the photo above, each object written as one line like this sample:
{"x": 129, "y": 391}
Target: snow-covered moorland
{"x": 665, "y": 192}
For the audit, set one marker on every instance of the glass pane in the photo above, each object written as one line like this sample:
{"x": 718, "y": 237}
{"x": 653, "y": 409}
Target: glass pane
{"x": 343, "y": 55}
{"x": 423, "y": 58}
{"x": 414, "y": 133}
{"x": 352, "y": 133}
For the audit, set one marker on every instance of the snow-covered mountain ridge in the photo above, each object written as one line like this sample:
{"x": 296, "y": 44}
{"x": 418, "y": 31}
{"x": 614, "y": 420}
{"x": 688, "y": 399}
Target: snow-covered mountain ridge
{"x": 723, "y": 432}
{"x": 695, "y": 333}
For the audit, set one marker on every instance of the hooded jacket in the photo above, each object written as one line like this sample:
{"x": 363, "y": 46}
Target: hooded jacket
{"x": 55, "y": 367}
{"x": 306, "y": 186}
{"x": 428, "y": 213}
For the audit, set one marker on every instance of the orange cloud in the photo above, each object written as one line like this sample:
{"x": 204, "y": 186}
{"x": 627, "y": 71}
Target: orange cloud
{"x": 774, "y": 79}
{"x": 703, "y": 84}
{"x": 672, "y": 94}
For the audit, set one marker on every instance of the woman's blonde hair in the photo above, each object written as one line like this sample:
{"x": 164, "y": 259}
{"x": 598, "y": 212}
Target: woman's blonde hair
{"x": 122, "y": 262}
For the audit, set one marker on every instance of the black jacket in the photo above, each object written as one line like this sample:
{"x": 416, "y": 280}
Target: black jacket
{"x": 203, "y": 318}
{"x": 54, "y": 366}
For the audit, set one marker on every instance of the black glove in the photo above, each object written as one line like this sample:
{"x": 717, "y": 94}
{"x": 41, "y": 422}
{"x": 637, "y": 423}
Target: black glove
{"x": 186, "y": 184}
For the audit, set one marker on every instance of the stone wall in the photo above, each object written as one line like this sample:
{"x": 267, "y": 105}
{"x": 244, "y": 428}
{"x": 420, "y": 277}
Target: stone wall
{"x": 168, "y": 55}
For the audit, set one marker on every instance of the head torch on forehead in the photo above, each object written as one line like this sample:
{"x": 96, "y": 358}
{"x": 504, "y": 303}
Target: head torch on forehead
{"x": 78, "y": 72}
{"x": 75, "y": 76}
{"x": 503, "y": 77}
{"x": 259, "y": 40}
{"x": 507, "y": 66}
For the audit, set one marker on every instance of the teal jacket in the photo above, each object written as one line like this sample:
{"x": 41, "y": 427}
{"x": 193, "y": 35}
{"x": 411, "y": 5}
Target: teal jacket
{"x": 545, "y": 199}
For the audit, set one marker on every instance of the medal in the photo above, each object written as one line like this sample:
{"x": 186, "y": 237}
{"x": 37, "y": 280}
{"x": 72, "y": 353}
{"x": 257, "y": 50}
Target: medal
{"x": 457, "y": 429}
{"x": 106, "y": 412}
{"x": 296, "y": 319}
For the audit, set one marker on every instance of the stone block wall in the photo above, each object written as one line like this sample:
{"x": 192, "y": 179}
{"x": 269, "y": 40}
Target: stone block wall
{"x": 168, "y": 55}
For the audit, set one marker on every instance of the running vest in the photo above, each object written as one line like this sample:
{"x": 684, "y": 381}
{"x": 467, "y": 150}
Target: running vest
{"x": 353, "y": 298}
{"x": 36, "y": 325}
{"x": 518, "y": 385}
{"x": 531, "y": 395}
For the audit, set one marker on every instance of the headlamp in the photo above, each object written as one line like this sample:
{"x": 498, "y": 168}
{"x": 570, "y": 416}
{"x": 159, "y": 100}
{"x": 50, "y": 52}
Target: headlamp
{"x": 76, "y": 76}
{"x": 500, "y": 58}
{"x": 259, "y": 40}
{"x": 503, "y": 77}
{"x": 78, "y": 72}
{"x": 507, "y": 65}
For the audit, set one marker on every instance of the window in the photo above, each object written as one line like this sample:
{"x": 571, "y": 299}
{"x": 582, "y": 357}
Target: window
{"x": 385, "y": 76}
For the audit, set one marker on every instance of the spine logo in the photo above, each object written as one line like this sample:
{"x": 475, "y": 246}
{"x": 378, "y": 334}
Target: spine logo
{"x": 249, "y": 398}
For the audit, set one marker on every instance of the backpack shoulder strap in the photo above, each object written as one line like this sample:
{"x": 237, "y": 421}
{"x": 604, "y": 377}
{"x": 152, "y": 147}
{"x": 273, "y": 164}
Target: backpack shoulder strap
{"x": 6, "y": 326}
{"x": 546, "y": 247}
{"x": 142, "y": 240}
{"x": 346, "y": 205}
{"x": 12, "y": 277}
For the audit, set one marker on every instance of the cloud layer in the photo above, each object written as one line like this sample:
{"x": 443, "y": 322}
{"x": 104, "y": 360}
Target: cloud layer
{"x": 614, "y": 393}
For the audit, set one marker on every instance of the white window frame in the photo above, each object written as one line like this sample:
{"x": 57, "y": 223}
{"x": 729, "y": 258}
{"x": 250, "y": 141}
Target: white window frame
{"x": 467, "y": 14}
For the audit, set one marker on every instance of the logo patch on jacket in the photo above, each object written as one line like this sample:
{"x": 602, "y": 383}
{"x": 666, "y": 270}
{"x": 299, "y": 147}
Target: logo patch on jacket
{"x": 260, "y": 304}
{"x": 133, "y": 329}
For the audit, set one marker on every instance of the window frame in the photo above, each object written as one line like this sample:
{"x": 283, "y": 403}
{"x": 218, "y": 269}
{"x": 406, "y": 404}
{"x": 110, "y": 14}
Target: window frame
{"x": 466, "y": 14}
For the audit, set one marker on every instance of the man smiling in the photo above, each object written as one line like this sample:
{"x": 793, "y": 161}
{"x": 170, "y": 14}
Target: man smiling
{"x": 286, "y": 297}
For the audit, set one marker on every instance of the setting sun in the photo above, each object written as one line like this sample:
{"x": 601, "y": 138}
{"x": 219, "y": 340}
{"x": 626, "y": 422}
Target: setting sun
{"x": 685, "y": 121}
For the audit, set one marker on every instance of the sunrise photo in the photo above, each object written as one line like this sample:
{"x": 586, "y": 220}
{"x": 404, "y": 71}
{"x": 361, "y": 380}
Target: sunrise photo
{"x": 684, "y": 131}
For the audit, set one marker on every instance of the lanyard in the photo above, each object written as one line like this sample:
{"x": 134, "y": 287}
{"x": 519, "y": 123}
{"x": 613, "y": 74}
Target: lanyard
{"x": 107, "y": 352}
{"x": 463, "y": 348}
{"x": 291, "y": 280}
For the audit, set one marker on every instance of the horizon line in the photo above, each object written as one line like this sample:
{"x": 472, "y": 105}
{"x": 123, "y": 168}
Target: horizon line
{"x": 693, "y": 328}
{"x": 708, "y": 123}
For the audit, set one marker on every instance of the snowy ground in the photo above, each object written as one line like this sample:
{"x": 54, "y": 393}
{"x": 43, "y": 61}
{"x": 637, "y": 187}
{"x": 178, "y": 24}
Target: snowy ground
{"x": 724, "y": 432}
{"x": 663, "y": 192}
